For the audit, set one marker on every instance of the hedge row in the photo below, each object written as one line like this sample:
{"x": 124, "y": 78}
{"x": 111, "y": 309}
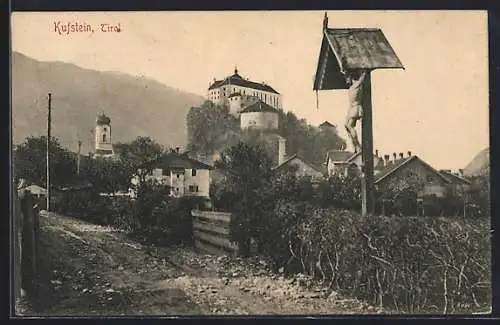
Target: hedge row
{"x": 408, "y": 264}
{"x": 151, "y": 218}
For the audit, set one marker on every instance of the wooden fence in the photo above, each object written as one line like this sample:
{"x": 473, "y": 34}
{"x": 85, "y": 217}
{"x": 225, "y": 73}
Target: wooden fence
{"x": 25, "y": 225}
{"x": 211, "y": 233}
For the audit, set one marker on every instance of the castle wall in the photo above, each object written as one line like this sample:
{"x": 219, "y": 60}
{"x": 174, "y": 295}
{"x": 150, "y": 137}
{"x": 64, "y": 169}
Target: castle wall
{"x": 220, "y": 95}
{"x": 260, "y": 120}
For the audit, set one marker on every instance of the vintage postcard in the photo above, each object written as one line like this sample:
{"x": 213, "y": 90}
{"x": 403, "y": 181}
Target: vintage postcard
{"x": 250, "y": 163}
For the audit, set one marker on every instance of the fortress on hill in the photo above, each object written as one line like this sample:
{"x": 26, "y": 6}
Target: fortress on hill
{"x": 256, "y": 104}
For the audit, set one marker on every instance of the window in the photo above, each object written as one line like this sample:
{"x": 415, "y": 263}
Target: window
{"x": 177, "y": 175}
{"x": 430, "y": 178}
{"x": 193, "y": 188}
{"x": 193, "y": 172}
{"x": 104, "y": 138}
{"x": 164, "y": 172}
{"x": 105, "y": 129}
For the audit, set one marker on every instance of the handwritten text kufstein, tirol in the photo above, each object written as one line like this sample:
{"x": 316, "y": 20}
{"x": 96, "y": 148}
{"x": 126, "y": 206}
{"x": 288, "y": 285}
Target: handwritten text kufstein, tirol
{"x": 67, "y": 28}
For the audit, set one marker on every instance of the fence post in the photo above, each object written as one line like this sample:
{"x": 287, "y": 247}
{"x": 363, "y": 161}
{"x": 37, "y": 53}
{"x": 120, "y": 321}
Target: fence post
{"x": 29, "y": 244}
{"x": 16, "y": 243}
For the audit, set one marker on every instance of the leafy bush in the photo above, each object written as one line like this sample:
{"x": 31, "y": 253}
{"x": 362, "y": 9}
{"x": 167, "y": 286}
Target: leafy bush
{"x": 153, "y": 217}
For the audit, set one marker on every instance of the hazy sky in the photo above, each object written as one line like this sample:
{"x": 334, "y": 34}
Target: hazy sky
{"x": 437, "y": 107}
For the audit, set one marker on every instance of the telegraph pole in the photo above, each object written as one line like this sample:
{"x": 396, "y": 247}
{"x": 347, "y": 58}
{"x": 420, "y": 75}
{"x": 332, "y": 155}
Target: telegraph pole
{"x": 48, "y": 152}
{"x": 78, "y": 157}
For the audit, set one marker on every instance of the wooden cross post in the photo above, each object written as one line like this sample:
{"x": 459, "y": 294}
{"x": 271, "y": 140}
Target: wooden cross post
{"x": 344, "y": 49}
{"x": 367, "y": 186}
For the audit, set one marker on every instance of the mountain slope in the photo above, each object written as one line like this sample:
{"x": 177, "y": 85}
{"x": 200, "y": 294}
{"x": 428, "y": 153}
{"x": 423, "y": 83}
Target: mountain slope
{"x": 137, "y": 106}
{"x": 479, "y": 165}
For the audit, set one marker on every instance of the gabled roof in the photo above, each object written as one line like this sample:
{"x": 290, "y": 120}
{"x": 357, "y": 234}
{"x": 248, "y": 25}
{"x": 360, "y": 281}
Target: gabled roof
{"x": 377, "y": 161}
{"x": 390, "y": 169}
{"x": 454, "y": 178}
{"x": 175, "y": 160}
{"x": 339, "y": 155}
{"x": 296, "y": 156}
{"x": 326, "y": 124}
{"x": 237, "y": 80}
{"x": 259, "y": 106}
{"x": 351, "y": 48}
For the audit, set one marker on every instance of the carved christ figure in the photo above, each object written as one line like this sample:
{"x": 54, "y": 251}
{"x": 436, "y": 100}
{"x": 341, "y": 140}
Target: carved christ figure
{"x": 355, "y": 80}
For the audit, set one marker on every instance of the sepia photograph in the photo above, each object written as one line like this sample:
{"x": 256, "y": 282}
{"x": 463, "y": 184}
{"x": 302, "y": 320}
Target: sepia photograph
{"x": 250, "y": 163}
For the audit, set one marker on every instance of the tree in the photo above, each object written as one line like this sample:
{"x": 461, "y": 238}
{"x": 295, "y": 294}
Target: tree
{"x": 341, "y": 192}
{"x": 248, "y": 177}
{"x": 135, "y": 155}
{"x": 106, "y": 175}
{"x": 402, "y": 192}
{"x": 478, "y": 195}
{"x": 30, "y": 162}
{"x": 207, "y": 124}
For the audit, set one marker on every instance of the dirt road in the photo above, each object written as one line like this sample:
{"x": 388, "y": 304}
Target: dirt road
{"x": 93, "y": 270}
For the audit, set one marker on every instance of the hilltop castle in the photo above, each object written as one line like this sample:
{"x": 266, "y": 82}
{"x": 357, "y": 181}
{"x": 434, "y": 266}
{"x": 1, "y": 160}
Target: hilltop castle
{"x": 255, "y": 103}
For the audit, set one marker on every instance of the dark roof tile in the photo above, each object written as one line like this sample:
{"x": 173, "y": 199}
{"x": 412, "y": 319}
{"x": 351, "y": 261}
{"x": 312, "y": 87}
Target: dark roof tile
{"x": 326, "y": 124}
{"x": 454, "y": 178}
{"x": 175, "y": 160}
{"x": 237, "y": 80}
{"x": 400, "y": 163}
{"x": 259, "y": 106}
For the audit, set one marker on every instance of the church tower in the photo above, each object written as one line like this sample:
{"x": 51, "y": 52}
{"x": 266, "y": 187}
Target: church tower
{"x": 103, "y": 144}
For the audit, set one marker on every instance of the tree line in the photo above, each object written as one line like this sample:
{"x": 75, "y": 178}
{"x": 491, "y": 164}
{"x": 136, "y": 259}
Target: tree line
{"x": 212, "y": 128}
{"x": 29, "y": 162}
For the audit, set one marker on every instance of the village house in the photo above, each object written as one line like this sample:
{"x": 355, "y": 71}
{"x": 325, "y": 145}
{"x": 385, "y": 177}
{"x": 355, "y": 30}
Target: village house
{"x": 459, "y": 183}
{"x": 390, "y": 172}
{"x": 400, "y": 170}
{"x": 338, "y": 162}
{"x": 183, "y": 175}
{"x": 303, "y": 168}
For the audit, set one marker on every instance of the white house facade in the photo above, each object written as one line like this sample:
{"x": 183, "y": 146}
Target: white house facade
{"x": 219, "y": 91}
{"x": 183, "y": 175}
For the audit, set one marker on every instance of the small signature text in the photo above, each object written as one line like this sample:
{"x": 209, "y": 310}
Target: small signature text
{"x": 66, "y": 28}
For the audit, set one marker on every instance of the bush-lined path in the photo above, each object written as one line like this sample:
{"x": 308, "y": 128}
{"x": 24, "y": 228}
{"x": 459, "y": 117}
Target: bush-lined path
{"x": 92, "y": 270}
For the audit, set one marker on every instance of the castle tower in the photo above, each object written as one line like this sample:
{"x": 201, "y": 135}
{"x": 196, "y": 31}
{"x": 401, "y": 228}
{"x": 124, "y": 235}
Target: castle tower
{"x": 235, "y": 103}
{"x": 103, "y": 144}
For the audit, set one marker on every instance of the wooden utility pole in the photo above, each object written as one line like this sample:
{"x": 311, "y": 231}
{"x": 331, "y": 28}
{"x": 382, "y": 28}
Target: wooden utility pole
{"x": 367, "y": 186}
{"x": 78, "y": 157}
{"x": 48, "y": 152}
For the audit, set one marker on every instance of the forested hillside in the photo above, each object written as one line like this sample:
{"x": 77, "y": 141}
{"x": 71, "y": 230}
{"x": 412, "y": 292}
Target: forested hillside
{"x": 212, "y": 129}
